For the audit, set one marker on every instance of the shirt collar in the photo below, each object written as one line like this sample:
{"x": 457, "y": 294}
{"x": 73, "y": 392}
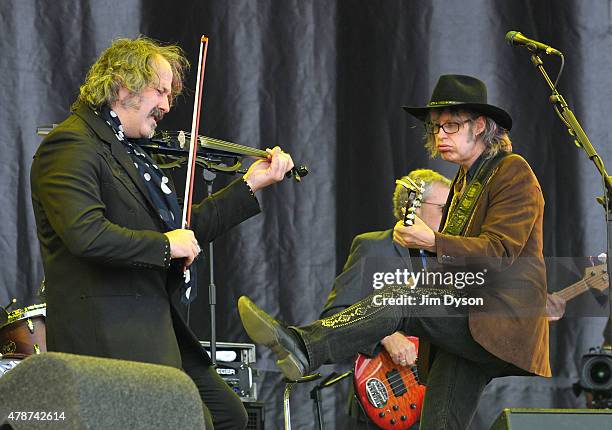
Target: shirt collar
{"x": 474, "y": 167}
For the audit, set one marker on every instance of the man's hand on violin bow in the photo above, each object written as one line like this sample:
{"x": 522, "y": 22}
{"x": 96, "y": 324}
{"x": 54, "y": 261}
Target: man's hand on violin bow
{"x": 183, "y": 244}
{"x": 264, "y": 172}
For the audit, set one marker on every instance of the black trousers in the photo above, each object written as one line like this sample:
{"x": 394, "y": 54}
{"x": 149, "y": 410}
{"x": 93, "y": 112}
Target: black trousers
{"x": 461, "y": 368}
{"x": 222, "y": 408}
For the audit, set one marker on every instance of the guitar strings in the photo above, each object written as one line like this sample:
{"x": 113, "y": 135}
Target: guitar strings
{"x": 396, "y": 383}
{"x": 582, "y": 286}
{"x": 396, "y": 380}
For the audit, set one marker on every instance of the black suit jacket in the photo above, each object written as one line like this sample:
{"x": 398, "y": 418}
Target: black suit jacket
{"x": 104, "y": 253}
{"x": 372, "y": 251}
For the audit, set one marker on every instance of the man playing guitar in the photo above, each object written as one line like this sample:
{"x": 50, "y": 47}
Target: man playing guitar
{"x": 347, "y": 288}
{"x": 492, "y": 224}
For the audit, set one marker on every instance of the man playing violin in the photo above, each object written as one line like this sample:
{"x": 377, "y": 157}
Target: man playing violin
{"x": 109, "y": 223}
{"x": 493, "y": 221}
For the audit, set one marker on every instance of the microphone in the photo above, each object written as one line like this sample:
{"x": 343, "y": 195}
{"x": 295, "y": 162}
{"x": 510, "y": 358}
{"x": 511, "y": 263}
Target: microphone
{"x": 516, "y": 38}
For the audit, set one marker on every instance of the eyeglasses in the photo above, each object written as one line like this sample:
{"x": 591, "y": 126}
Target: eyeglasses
{"x": 450, "y": 127}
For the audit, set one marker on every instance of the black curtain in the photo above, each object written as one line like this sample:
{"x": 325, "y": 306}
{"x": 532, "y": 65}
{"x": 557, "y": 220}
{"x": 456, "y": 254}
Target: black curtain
{"x": 325, "y": 80}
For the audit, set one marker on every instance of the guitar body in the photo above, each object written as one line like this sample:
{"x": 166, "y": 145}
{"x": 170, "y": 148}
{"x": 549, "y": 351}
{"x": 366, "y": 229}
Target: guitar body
{"x": 389, "y": 394}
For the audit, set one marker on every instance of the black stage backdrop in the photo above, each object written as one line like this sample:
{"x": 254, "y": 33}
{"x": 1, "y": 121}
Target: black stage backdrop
{"x": 325, "y": 80}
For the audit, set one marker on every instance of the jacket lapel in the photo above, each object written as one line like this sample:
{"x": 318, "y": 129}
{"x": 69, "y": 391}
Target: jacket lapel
{"x": 132, "y": 180}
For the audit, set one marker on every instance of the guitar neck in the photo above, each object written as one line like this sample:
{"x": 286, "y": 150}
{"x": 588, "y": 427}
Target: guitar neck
{"x": 599, "y": 282}
{"x": 573, "y": 290}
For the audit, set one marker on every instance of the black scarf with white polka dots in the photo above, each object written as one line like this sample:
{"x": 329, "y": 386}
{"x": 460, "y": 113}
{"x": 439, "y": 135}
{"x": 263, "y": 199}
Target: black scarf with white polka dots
{"x": 163, "y": 197}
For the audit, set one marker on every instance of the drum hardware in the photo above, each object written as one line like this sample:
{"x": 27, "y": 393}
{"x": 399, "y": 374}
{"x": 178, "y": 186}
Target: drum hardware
{"x": 10, "y": 305}
{"x": 4, "y": 314}
{"x": 23, "y": 332}
{"x": 42, "y": 290}
{"x": 8, "y": 348}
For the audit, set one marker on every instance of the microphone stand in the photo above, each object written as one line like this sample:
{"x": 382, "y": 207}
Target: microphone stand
{"x": 315, "y": 394}
{"x": 581, "y": 140}
{"x": 209, "y": 177}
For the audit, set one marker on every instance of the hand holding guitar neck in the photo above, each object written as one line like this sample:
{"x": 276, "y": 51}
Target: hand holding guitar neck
{"x": 415, "y": 197}
{"x": 595, "y": 277}
{"x": 412, "y": 232}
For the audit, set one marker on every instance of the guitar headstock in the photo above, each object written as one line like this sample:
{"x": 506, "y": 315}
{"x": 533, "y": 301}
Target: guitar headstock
{"x": 597, "y": 276}
{"x": 415, "y": 197}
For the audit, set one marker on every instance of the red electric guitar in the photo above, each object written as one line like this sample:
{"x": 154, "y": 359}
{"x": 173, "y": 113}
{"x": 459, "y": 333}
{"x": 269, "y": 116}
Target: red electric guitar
{"x": 390, "y": 395}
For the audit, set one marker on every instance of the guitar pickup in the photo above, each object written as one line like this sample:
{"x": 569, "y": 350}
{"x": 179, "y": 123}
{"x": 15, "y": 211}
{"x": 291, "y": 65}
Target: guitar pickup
{"x": 396, "y": 382}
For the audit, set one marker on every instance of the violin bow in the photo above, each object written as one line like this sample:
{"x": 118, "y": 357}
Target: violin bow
{"x": 195, "y": 126}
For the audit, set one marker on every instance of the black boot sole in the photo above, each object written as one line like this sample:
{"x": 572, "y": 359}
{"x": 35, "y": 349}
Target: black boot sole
{"x": 262, "y": 329}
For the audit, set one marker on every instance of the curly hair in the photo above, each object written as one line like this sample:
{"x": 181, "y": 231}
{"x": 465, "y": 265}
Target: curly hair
{"x": 494, "y": 136}
{"x": 128, "y": 63}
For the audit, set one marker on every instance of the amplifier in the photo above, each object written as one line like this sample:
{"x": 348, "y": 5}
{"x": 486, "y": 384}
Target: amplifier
{"x": 234, "y": 362}
{"x": 256, "y": 414}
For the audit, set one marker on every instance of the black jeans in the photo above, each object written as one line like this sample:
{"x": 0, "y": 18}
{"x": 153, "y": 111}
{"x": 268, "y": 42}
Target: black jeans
{"x": 461, "y": 368}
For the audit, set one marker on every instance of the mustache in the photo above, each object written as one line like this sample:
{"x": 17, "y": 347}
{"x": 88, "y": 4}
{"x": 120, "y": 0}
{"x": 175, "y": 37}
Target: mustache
{"x": 157, "y": 114}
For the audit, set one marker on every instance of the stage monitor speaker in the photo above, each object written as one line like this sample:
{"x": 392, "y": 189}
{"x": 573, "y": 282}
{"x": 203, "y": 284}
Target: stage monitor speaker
{"x": 256, "y": 413}
{"x": 553, "y": 419}
{"x": 65, "y": 391}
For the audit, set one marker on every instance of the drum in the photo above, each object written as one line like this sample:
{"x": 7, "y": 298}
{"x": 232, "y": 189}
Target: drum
{"x": 24, "y": 333}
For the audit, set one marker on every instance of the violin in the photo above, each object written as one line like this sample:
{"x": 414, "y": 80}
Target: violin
{"x": 213, "y": 154}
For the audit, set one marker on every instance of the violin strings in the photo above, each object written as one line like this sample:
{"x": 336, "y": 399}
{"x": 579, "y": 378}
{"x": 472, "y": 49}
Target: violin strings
{"x": 252, "y": 151}
{"x": 210, "y": 139}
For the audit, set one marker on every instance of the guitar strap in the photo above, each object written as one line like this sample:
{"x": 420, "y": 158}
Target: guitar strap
{"x": 461, "y": 212}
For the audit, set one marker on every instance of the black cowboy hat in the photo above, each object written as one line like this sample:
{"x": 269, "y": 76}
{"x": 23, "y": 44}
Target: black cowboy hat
{"x": 462, "y": 91}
